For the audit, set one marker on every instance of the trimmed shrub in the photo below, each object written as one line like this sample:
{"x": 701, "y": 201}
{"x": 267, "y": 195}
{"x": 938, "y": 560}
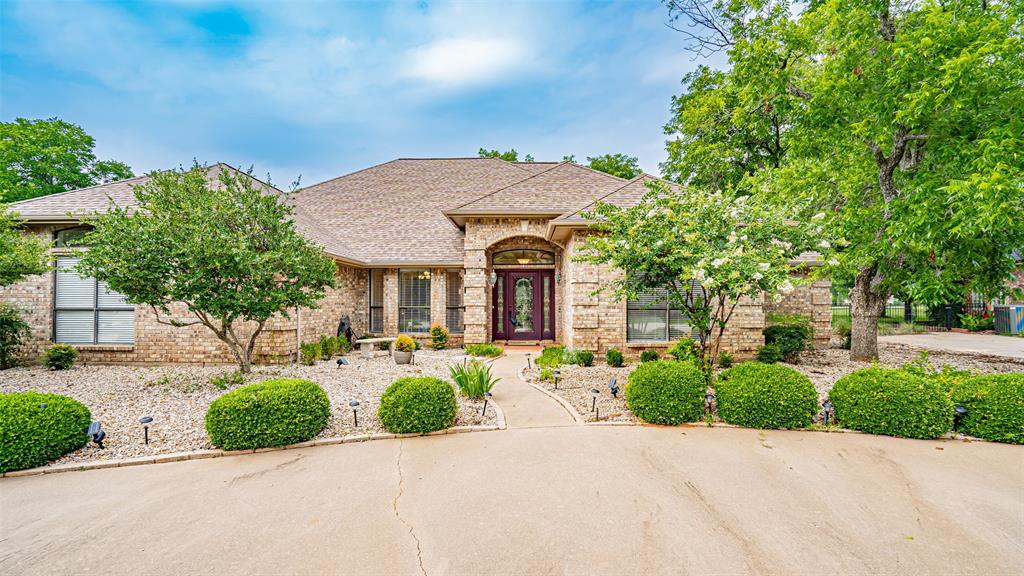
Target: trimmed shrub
{"x": 892, "y": 402}
{"x": 614, "y": 358}
{"x": 725, "y": 360}
{"x": 791, "y": 339}
{"x": 36, "y": 428}
{"x": 551, "y": 357}
{"x": 684, "y": 349}
{"x": 60, "y": 357}
{"x": 438, "y": 337}
{"x": 486, "y": 350}
{"x": 547, "y": 374}
{"x": 405, "y": 343}
{"x": 664, "y": 392}
{"x": 649, "y": 356}
{"x": 328, "y": 347}
{"x": 270, "y": 413}
{"x": 417, "y": 404}
{"x": 995, "y": 407}
{"x": 343, "y": 344}
{"x": 584, "y": 358}
{"x": 310, "y": 352}
{"x": 765, "y": 396}
{"x": 13, "y": 331}
{"x": 769, "y": 354}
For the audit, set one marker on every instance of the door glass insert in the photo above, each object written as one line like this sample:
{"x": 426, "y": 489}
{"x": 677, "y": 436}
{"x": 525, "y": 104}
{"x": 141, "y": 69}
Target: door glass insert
{"x": 523, "y": 304}
{"x": 499, "y": 295}
{"x": 546, "y": 298}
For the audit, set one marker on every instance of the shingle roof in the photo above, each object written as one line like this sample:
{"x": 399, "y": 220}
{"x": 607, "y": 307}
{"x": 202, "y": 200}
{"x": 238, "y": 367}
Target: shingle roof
{"x": 625, "y": 196}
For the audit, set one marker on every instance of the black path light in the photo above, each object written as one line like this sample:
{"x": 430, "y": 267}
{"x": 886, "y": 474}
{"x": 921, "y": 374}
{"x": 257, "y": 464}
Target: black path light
{"x": 145, "y": 420}
{"x": 528, "y": 366}
{"x": 958, "y": 414}
{"x": 556, "y": 375}
{"x": 342, "y": 362}
{"x": 97, "y": 433}
{"x": 828, "y": 408}
{"x": 709, "y": 401}
{"x": 594, "y": 393}
{"x": 354, "y": 404}
{"x": 487, "y": 396}
{"x": 614, "y": 387}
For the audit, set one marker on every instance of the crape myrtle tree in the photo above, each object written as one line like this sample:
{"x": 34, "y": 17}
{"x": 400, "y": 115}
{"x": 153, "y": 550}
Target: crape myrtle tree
{"x": 20, "y": 255}
{"x": 216, "y": 240}
{"x": 898, "y": 122}
{"x": 706, "y": 250}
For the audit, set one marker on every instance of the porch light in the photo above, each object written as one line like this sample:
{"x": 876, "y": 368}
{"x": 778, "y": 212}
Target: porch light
{"x": 594, "y": 393}
{"x": 614, "y": 387}
{"x": 558, "y": 277}
{"x": 487, "y": 396}
{"x": 523, "y": 260}
{"x": 354, "y": 404}
{"x": 828, "y": 408}
{"x": 958, "y": 413}
{"x": 492, "y": 278}
{"x": 145, "y": 420}
{"x": 97, "y": 433}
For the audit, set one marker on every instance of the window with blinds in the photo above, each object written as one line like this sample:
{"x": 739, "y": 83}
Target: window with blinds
{"x": 88, "y": 312}
{"x": 649, "y": 318}
{"x": 414, "y": 301}
{"x": 456, "y": 308}
{"x": 376, "y": 300}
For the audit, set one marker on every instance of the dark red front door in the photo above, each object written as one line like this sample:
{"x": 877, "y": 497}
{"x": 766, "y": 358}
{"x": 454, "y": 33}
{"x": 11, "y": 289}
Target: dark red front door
{"x": 524, "y": 305}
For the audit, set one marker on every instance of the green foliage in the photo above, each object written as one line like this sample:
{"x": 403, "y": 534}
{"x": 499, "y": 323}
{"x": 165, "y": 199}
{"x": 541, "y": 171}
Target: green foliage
{"x": 614, "y": 358}
{"x": 892, "y": 402}
{"x": 329, "y": 347}
{"x": 508, "y": 156}
{"x": 843, "y": 329}
{"x": 36, "y": 428}
{"x": 621, "y": 165}
{"x": 978, "y": 322}
{"x": 649, "y": 356}
{"x": 216, "y": 239}
{"x": 343, "y": 344}
{"x": 271, "y": 413}
{"x": 995, "y": 406}
{"x": 791, "y": 339}
{"x": 684, "y": 349}
{"x": 725, "y": 360}
{"x": 60, "y": 357}
{"x": 769, "y": 354}
{"x": 41, "y": 157}
{"x": 547, "y": 374}
{"x": 765, "y": 396}
{"x": 13, "y": 331}
{"x": 405, "y": 343}
{"x": 473, "y": 379}
{"x": 948, "y": 377}
{"x": 310, "y": 352}
{"x": 663, "y": 392}
{"x": 438, "y": 337}
{"x": 585, "y": 358}
{"x": 551, "y": 357}
{"x": 20, "y": 255}
{"x": 422, "y": 404}
{"x": 485, "y": 350}
{"x": 228, "y": 379}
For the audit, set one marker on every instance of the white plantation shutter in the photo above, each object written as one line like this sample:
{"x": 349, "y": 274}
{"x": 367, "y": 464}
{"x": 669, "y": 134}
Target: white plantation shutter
{"x": 115, "y": 326}
{"x": 107, "y": 298}
{"x": 87, "y": 311}
{"x": 649, "y": 318}
{"x": 455, "y": 306}
{"x": 73, "y": 291}
{"x": 74, "y": 326}
{"x": 414, "y": 300}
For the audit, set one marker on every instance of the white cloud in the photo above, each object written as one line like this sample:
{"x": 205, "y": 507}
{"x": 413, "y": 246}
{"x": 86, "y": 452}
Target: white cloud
{"x": 462, "y": 61}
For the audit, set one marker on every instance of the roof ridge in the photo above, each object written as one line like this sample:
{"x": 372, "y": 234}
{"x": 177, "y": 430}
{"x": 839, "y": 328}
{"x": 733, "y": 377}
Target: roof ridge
{"x": 240, "y": 171}
{"x": 378, "y": 165}
{"x": 596, "y": 200}
{"x": 55, "y": 194}
{"x": 598, "y": 171}
{"x": 509, "y": 185}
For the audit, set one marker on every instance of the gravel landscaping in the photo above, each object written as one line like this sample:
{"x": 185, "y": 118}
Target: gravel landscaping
{"x": 823, "y": 367}
{"x": 177, "y": 396}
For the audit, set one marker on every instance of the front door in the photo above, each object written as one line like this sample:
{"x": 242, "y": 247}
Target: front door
{"x": 524, "y": 305}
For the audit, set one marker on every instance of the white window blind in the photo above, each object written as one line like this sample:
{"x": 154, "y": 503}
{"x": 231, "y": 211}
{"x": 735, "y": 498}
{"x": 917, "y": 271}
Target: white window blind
{"x": 414, "y": 301}
{"x": 376, "y": 298}
{"x": 455, "y": 305}
{"x": 649, "y": 318}
{"x": 87, "y": 311}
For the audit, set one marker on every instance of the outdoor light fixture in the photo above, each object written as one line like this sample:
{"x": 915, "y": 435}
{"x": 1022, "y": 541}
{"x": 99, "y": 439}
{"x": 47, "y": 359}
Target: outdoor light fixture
{"x": 709, "y": 400}
{"x": 594, "y": 393}
{"x": 614, "y": 387}
{"x": 558, "y": 277}
{"x": 528, "y": 361}
{"x": 342, "y": 362}
{"x": 145, "y": 420}
{"x": 556, "y": 375}
{"x": 487, "y": 396}
{"x": 97, "y": 433}
{"x": 958, "y": 413}
{"x": 492, "y": 278}
{"x": 355, "y": 417}
{"x": 828, "y": 408}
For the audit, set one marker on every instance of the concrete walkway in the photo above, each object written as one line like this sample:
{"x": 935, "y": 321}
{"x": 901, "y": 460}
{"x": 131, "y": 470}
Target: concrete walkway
{"x": 565, "y": 500}
{"x": 992, "y": 344}
{"x": 524, "y": 405}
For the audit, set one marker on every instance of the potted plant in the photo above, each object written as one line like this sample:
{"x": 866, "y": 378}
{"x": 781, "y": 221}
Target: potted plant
{"x": 404, "y": 347}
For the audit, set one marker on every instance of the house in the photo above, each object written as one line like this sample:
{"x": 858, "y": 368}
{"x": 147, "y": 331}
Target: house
{"x": 483, "y": 246}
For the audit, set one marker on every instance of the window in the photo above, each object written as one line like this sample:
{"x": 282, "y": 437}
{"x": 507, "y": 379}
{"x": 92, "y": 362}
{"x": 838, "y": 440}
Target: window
{"x": 71, "y": 237}
{"x": 414, "y": 301}
{"x": 86, "y": 311}
{"x": 524, "y": 257}
{"x": 456, "y": 307}
{"x": 376, "y": 299}
{"x": 650, "y": 319}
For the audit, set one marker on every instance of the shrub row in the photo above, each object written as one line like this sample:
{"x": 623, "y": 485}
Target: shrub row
{"x": 486, "y": 350}
{"x": 765, "y": 396}
{"x": 666, "y": 392}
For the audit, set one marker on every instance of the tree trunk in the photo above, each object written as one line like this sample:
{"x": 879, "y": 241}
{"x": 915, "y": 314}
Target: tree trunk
{"x": 867, "y": 304}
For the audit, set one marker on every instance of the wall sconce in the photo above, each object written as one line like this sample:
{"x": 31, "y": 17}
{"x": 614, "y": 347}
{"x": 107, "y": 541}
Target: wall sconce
{"x": 492, "y": 278}
{"x": 558, "y": 277}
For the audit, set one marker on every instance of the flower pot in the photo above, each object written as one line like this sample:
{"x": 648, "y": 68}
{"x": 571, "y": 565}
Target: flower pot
{"x": 402, "y": 357}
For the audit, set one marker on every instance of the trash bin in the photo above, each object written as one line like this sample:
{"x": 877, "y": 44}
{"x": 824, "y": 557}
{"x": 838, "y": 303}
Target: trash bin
{"x": 1009, "y": 319}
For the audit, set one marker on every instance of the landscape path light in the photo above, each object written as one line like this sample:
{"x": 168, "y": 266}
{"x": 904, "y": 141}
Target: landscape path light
{"x": 145, "y": 420}
{"x": 487, "y": 396}
{"x": 828, "y": 408}
{"x": 709, "y": 401}
{"x": 614, "y": 387}
{"x": 556, "y": 375}
{"x": 528, "y": 361}
{"x": 342, "y": 362}
{"x": 97, "y": 433}
{"x": 958, "y": 413}
{"x": 354, "y": 404}
{"x": 594, "y": 393}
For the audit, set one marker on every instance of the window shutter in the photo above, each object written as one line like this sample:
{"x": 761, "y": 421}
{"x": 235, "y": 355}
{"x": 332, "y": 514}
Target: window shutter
{"x": 73, "y": 291}
{"x": 116, "y": 327}
{"x": 74, "y": 326}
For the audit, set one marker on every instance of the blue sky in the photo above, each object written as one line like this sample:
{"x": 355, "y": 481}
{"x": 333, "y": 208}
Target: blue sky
{"x": 319, "y": 89}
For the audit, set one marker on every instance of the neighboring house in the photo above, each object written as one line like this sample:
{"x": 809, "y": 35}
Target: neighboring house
{"x": 483, "y": 246}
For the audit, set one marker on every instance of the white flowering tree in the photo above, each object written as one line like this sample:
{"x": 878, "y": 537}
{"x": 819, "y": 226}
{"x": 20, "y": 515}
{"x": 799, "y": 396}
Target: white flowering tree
{"x": 707, "y": 250}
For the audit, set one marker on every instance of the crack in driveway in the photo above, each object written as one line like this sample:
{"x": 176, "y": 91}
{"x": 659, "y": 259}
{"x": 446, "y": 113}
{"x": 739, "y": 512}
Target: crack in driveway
{"x": 394, "y": 506}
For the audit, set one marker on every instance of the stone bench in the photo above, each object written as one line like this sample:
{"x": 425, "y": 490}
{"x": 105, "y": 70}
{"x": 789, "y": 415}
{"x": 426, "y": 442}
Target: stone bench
{"x": 366, "y": 345}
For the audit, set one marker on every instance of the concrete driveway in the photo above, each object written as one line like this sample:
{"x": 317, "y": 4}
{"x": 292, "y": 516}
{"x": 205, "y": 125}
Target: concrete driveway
{"x": 991, "y": 344}
{"x": 547, "y": 500}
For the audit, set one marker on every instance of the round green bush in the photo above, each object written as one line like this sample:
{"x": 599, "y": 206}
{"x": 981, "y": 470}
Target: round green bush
{"x": 765, "y": 396}
{"x": 585, "y": 358}
{"x": 36, "y": 428}
{"x": 995, "y": 407}
{"x": 649, "y": 356}
{"x": 666, "y": 392}
{"x": 614, "y": 358}
{"x": 417, "y": 404}
{"x": 892, "y": 402}
{"x": 769, "y": 354}
{"x": 270, "y": 413}
{"x": 60, "y": 357}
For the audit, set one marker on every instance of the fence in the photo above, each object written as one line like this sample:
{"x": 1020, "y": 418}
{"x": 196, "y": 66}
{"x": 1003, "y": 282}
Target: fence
{"x": 929, "y": 318}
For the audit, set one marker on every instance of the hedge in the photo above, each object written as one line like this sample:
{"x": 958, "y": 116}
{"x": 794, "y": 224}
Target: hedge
{"x": 666, "y": 392}
{"x": 892, "y": 402}
{"x": 417, "y": 404}
{"x": 792, "y": 339}
{"x": 765, "y": 396}
{"x": 270, "y": 413}
{"x": 36, "y": 428}
{"x": 995, "y": 407}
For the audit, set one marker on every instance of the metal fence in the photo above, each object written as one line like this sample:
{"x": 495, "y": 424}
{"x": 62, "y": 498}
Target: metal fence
{"x": 937, "y": 318}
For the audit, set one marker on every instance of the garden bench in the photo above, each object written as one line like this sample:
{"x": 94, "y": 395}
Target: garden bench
{"x": 366, "y": 345}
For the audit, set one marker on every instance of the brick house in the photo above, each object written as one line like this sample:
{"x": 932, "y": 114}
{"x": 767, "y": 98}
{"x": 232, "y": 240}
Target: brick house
{"x": 483, "y": 246}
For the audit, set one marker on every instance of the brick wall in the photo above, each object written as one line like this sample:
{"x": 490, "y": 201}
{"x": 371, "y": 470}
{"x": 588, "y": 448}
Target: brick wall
{"x": 812, "y": 300}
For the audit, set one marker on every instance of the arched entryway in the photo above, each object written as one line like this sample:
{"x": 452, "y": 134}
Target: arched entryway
{"x": 524, "y": 297}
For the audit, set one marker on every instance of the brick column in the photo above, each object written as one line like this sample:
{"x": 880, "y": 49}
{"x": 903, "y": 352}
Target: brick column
{"x": 438, "y": 296}
{"x": 391, "y": 302}
{"x": 477, "y": 297}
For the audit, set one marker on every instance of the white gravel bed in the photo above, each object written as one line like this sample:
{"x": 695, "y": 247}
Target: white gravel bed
{"x": 177, "y": 397}
{"x": 575, "y": 385}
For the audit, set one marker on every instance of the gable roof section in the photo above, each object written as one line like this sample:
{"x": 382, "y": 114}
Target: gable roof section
{"x": 71, "y": 205}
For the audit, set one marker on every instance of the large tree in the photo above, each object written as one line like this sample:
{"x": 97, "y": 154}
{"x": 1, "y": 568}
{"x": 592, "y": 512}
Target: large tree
{"x": 21, "y": 255}
{"x": 41, "y": 157}
{"x": 620, "y": 165}
{"x": 897, "y": 121}
{"x": 225, "y": 247}
{"x": 509, "y": 155}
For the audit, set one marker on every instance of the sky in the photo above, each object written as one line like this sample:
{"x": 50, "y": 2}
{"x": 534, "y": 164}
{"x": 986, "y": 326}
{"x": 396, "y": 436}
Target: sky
{"x": 319, "y": 89}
